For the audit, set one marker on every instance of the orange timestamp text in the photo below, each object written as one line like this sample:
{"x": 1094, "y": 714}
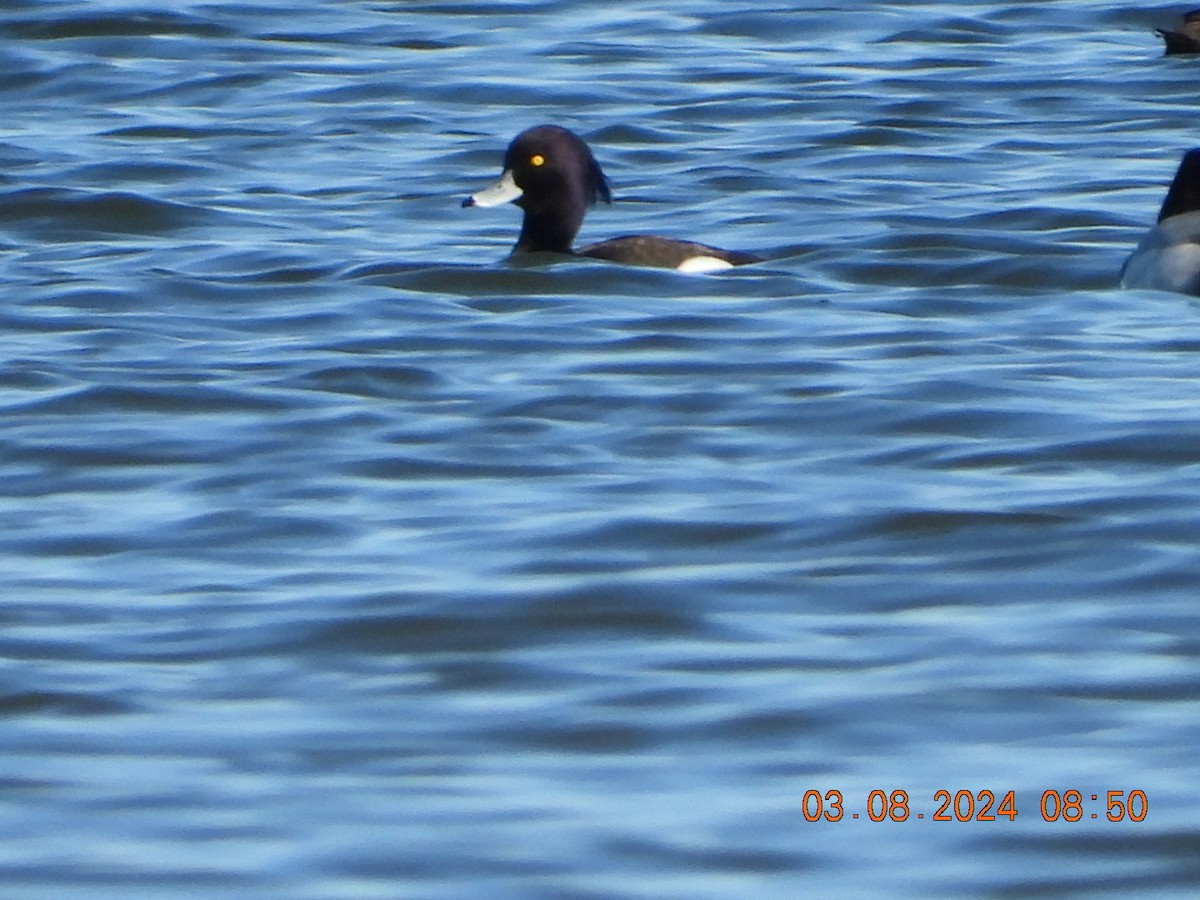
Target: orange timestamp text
{"x": 979, "y": 806}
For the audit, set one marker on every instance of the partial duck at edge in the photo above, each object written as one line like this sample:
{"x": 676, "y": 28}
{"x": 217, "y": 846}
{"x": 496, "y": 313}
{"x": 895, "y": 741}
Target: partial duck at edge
{"x": 1186, "y": 39}
{"x": 1168, "y": 257}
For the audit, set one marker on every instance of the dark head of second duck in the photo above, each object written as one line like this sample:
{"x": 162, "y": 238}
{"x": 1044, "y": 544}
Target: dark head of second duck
{"x": 551, "y": 174}
{"x": 1186, "y": 39}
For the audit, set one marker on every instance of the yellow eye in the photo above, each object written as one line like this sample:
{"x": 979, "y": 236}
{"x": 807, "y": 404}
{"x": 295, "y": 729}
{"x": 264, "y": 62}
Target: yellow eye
{"x": 537, "y": 160}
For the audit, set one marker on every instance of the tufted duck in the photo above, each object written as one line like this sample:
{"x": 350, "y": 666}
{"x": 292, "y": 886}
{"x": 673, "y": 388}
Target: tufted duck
{"x": 551, "y": 174}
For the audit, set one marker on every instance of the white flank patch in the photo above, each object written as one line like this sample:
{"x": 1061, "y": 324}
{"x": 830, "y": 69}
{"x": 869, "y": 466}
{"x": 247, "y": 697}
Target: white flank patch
{"x": 697, "y": 264}
{"x": 1168, "y": 258}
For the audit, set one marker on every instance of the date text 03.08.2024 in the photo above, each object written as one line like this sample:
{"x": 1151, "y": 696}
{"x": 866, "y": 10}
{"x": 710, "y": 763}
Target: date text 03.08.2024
{"x": 980, "y": 806}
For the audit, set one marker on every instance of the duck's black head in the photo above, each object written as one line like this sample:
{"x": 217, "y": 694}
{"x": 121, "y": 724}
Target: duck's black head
{"x": 1184, "y": 194}
{"x": 551, "y": 174}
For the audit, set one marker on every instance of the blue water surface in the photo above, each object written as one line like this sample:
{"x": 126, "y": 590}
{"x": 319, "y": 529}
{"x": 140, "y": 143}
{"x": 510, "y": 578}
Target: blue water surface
{"x": 342, "y": 559}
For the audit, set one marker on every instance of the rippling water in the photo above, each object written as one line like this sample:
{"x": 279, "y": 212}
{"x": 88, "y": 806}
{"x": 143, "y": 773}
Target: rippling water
{"x": 341, "y": 559}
